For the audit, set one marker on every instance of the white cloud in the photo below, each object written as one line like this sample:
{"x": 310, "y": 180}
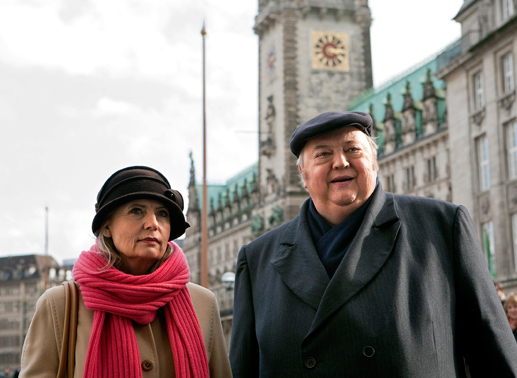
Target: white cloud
{"x": 15, "y": 233}
{"x": 111, "y": 38}
{"x": 6, "y": 111}
{"x": 115, "y": 37}
{"x": 108, "y": 106}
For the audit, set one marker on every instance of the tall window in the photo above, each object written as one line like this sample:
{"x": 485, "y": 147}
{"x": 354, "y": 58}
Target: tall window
{"x": 488, "y": 246}
{"x": 507, "y": 8}
{"x": 508, "y": 83}
{"x": 479, "y": 101}
{"x": 514, "y": 234}
{"x": 431, "y": 169}
{"x": 511, "y": 147}
{"x": 391, "y": 183}
{"x": 483, "y": 162}
{"x": 410, "y": 178}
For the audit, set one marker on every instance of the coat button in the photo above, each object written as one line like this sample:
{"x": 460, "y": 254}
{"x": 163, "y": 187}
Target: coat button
{"x": 310, "y": 362}
{"x": 147, "y": 365}
{"x": 368, "y": 351}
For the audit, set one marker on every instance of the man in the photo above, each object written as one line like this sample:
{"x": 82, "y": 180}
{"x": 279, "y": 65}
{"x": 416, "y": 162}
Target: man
{"x": 364, "y": 283}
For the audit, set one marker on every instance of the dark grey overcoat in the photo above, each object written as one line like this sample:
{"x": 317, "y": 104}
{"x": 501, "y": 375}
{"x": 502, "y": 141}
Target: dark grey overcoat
{"x": 411, "y": 298}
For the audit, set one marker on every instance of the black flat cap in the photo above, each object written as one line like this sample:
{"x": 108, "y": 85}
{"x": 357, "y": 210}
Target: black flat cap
{"x": 327, "y": 122}
{"x": 138, "y": 182}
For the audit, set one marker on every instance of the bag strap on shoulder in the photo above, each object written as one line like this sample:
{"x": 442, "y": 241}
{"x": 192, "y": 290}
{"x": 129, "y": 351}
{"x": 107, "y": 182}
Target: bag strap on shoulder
{"x": 67, "y": 355}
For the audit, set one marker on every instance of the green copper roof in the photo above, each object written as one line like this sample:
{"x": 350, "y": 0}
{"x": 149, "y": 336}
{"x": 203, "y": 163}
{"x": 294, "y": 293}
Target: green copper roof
{"x": 374, "y": 100}
{"x": 220, "y": 191}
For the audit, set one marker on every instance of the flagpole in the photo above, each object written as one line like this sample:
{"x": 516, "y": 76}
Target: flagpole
{"x": 204, "y": 213}
{"x": 46, "y": 249}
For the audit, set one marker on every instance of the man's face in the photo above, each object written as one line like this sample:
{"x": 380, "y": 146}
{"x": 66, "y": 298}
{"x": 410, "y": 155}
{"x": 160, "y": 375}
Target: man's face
{"x": 339, "y": 172}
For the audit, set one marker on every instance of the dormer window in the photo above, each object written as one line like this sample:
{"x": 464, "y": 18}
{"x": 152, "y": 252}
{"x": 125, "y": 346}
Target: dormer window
{"x": 507, "y": 9}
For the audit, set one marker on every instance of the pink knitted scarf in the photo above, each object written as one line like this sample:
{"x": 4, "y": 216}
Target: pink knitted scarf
{"x": 119, "y": 298}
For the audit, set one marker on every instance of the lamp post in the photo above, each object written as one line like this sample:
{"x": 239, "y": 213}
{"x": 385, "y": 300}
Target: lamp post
{"x": 228, "y": 280}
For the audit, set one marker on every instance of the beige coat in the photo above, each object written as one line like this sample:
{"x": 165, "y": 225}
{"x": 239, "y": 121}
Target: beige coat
{"x": 40, "y": 356}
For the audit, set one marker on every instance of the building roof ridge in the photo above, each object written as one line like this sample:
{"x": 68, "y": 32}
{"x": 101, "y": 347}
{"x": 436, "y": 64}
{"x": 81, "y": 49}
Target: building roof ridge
{"x": 370, "y": 92}
{"x": 466, "y": 4}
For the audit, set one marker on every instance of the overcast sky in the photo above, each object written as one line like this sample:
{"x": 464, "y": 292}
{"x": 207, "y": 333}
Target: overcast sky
{"x": 91, "y": 86}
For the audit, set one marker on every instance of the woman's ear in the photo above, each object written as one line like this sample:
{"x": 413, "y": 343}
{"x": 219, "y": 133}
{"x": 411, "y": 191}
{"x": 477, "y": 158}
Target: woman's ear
{"x": 106, "y": 232}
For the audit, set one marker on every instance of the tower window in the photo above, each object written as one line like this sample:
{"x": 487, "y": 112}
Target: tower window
{"x": 431, "y": 169}
{"x": 410, "y": 178}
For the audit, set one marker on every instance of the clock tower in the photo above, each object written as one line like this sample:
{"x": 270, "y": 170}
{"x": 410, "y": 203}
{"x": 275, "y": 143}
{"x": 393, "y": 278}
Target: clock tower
{"x": 314, "y": 56}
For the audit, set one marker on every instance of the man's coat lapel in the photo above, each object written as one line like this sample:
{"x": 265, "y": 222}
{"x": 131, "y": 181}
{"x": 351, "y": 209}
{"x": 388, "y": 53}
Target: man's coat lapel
{"x": 300, "y": 268}
{"x": 369, "y": 251}
{"x": 298, "y": 264}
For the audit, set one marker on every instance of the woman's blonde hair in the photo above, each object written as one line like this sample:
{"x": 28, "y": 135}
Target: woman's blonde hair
{"x": 511, "y": 299}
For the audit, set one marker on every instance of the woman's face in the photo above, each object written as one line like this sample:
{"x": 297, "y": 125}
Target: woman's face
{"x": 512, "y": 311}
{"x": 140, "y": 231}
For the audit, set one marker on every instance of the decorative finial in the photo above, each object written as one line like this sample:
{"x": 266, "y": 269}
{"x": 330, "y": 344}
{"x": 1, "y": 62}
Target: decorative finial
{"x": 203, "y": 29}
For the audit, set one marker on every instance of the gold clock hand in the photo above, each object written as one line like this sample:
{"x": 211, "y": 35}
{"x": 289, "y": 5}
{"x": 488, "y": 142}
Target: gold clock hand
{"x": 335, "y": 50}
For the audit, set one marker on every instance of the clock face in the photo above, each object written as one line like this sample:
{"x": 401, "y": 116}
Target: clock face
{"x": 330, "y": 51}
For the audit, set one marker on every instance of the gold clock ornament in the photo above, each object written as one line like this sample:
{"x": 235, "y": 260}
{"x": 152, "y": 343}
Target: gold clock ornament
{"x": 330, "y": 51}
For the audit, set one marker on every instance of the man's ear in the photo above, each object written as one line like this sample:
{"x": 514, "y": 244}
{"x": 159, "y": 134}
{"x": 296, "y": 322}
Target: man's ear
{"x": 106, "y": 232}
{"x": 303, "y": 179}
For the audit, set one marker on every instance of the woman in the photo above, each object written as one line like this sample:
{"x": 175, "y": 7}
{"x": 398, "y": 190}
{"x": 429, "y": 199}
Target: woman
{"x": 510, "y": 307}
{"x": 138, "y": 315}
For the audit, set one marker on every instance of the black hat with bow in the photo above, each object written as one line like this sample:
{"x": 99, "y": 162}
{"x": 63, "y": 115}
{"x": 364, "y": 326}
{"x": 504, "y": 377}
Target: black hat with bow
{"x": 137, "y": 182}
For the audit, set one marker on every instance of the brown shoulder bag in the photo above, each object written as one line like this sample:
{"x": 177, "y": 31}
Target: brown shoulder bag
{"x": 67, "y": 357}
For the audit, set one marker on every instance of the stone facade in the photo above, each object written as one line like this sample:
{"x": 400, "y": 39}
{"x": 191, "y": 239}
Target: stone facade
{"x": 291, "y": 91}
{"x": 22, "y": 280}
{"x": 480, "y": 73}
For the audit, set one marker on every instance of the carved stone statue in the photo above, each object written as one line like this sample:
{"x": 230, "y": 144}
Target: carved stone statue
{"x": 271, "y": 182}
{"x": 270, "y": 114}
{"x": 267, "y": 144}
